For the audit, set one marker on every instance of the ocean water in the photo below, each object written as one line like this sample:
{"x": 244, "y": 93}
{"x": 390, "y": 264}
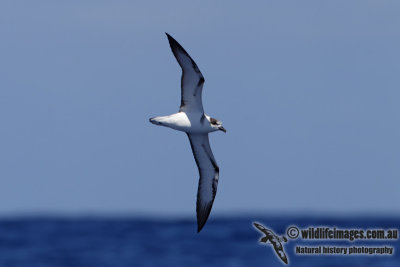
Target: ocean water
{"x": 228, "y": 241}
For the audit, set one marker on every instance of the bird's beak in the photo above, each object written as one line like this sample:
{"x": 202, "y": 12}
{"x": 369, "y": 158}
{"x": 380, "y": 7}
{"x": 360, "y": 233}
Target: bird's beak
{"x": 222, "y": 129}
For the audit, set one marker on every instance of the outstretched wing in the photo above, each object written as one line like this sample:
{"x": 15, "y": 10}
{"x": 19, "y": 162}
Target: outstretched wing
{"x": 269, "y": 233}
{"x": 280, "y": 252}
{"x": 192, "y": 80}
{"x": 209, "y": 174}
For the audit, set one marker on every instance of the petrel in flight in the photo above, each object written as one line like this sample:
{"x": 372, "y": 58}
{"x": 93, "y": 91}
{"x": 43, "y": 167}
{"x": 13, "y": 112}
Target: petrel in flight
{"x": 192, "y": 120}
{"x": 275, "y": 241}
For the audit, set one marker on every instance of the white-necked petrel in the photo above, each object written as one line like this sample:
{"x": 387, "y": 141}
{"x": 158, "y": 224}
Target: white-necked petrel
{"x": 192, "y": 120}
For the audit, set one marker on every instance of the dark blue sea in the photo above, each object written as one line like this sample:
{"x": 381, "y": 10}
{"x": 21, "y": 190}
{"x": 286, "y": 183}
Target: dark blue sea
{"x": 227, "y": 241}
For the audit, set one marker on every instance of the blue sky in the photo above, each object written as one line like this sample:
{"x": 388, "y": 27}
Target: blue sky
{"x": 308, "y": 91}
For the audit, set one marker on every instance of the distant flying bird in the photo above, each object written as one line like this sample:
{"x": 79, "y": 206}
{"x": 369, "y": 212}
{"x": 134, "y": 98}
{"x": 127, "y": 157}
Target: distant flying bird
{"x": 274, "y": 240}
{"x": 192, "y": 120}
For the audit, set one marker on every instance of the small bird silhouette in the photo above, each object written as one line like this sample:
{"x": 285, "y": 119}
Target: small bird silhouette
{"x": 274, "y": 240}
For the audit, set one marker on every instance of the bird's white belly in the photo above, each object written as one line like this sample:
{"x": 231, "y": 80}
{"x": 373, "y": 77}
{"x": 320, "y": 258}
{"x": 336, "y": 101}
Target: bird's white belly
{"x": 190, "y": 123}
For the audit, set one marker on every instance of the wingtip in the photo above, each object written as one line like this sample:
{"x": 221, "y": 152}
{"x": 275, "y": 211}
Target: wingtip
{"x": 200, "y": 225}
{"x": 203, "y": 212}
{"x": 170, "y": 38}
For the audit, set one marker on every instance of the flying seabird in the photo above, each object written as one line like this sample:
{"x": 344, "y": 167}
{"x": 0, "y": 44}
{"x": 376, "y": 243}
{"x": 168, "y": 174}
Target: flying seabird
{"x": 275, "y": 241}
{"x": 192, "y": 120}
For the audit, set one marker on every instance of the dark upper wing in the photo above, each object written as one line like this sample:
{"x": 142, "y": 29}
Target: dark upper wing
{"x": 265, "y": 230}
{"x": 269, "y": 232}
{"x": 192, "y": 80}
{"x": 209, "y": 174}
{"x": 279, "y": 251}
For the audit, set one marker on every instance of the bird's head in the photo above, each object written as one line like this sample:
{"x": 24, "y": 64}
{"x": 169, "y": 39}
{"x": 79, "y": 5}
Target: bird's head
{"x": 217, "y": 125}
